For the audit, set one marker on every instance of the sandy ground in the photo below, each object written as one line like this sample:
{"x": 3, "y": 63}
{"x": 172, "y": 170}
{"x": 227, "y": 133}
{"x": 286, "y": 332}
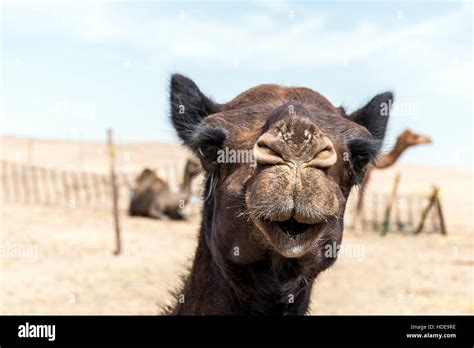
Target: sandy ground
{"x": 59, "y": 260}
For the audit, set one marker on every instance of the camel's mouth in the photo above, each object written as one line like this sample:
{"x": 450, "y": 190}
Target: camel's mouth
{"x": 290, "y": 237}
{"x": 292, "y": 227}
{"x": 424, "y": 140}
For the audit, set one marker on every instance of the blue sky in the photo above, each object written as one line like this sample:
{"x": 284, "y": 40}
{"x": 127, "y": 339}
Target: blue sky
{"x": 71, "y": 69}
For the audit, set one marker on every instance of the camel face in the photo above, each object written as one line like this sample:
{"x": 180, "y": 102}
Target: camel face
{"x": 409, "y": 138}
{"x": 306, "y": 156}
{"x": 296, "y": 194}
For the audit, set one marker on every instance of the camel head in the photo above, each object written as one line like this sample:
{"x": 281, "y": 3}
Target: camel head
{"x": 191, "y": 170}
{"x": 408, "y": 138}
{"x": 148, "y": 179}
{"x": 280, "y": 163}
{"x": 146, "y": 174}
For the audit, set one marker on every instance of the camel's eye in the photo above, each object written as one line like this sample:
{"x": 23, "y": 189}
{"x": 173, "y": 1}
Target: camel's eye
{"x": 363, "y": 151}
{"x": 359, "y": 166}
{"x": 360, "y": 161}
{"x": 208, "y": 152}
{"x": 206, "y": 143}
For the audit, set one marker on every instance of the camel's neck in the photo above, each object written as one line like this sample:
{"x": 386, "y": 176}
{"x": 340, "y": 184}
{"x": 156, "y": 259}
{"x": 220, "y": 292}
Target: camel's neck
{"x": 387, "y": 159}
{"x": 186, "y": 184}
{"x": 187, "y": 181}
{"x": 271, "y": 286}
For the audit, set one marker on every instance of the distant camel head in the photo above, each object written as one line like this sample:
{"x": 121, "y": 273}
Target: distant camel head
{"x": 279, "y": 163}
{"x": 408, "y": 138}
{"x": 148, "y": 179}
{"x": 191, "y": 170}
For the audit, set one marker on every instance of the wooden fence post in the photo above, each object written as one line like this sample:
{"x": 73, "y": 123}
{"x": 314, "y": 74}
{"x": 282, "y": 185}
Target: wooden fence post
{"x": 113, "y": 184}
{"x": 431, "y": 201}
{"x": 441, "y": 215}
{"x": 398, "y": 221}
{"x": 388, "y": 209}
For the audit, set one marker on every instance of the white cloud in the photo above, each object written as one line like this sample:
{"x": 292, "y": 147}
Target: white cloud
{"x": 253, "y": 39}
{"x": 409, "y": 57}
{"x": 425, "y": 52}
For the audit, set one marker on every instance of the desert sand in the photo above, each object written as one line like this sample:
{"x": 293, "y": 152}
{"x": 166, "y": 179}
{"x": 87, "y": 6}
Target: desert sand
{"x": 59, "y": 260}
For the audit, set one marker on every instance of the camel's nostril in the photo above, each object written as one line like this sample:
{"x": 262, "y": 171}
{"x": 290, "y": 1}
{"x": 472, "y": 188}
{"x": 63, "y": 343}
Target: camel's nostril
{"x": 325, "y": 152}
{"x": 267, "y": 149}
{"x": 319, "y": 153}
{"x": 325, "y": 156}
{"x": 264, "y": 154}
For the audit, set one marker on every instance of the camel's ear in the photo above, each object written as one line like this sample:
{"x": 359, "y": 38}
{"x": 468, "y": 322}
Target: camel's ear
{"x": 374, "y": 116}
{"x": 189, "y": 106}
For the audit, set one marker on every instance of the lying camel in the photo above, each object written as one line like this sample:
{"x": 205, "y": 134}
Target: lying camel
{"x": 153, "y": 198}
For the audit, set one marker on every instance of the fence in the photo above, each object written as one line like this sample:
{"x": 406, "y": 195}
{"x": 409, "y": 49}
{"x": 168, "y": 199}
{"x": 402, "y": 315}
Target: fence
{"x": 27, "y": 184}
{"x": 406, "y": 213}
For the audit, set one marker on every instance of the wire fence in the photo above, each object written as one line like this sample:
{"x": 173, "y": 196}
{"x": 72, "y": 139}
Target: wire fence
{"x": 405, "y": 213}
{"x": 28, "y": 184}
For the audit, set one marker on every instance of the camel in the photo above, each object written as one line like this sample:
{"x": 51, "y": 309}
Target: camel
{"x": 153, "y": 198}
{"x": 268, "y": 230}
{"x": 405, "y": 140}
